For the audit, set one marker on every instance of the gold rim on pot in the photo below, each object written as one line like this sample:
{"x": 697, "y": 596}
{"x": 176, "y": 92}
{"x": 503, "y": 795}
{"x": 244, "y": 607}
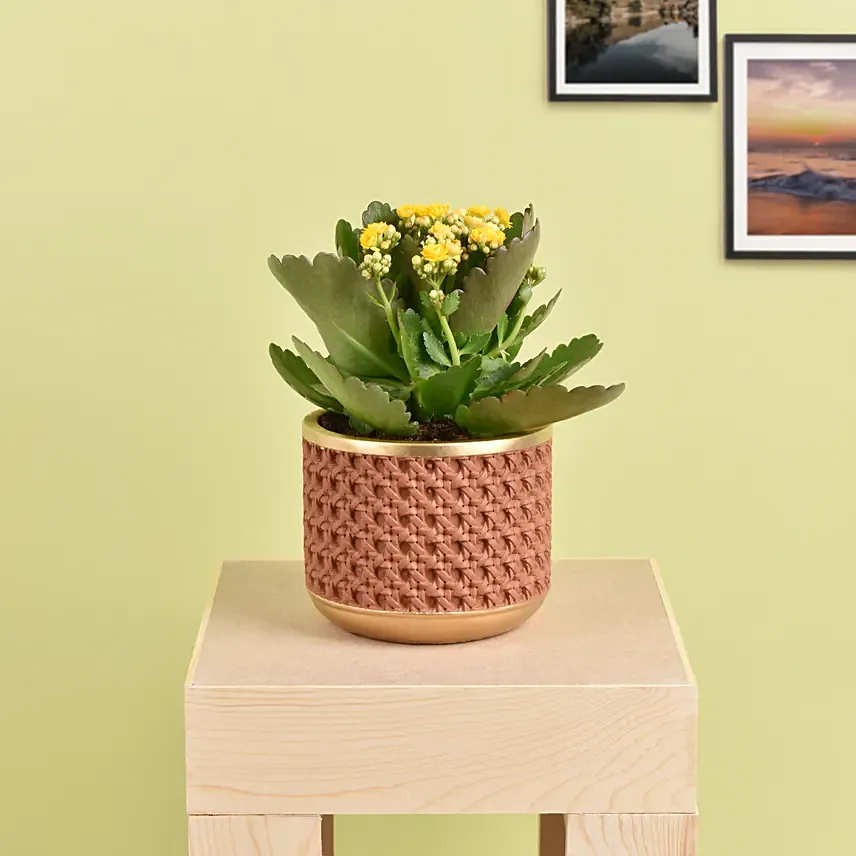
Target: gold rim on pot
{"x": 314, "y": 433}
{"x": 432, "y": 628}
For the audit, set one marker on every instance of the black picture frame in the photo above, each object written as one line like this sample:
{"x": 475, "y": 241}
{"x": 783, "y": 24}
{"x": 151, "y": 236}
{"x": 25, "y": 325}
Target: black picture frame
{"x": 729, "y": 172}
{"x": 710, "y": 96}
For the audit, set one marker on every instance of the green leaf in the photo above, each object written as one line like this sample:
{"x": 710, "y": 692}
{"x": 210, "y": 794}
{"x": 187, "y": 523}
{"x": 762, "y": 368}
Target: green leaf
{"x": 487, "y": 292}
{"x": 347, "y": 241}
{"x": 529, "y": 221}
{"x": 379, "y": 212}
{"x": 512, "y": 352}
{"x": 515, "y": 230}
{"x": 521, "y": 300}
{"x": 523, "y": 374}
{"x": 333, "y": 293}
{"x": 440, "y": 395}
{"x": 576, "y": 354}
{"x": 367, "y": 404}
{"x": 392, "y": 387}
{"x": 451, "y": 303}
{"x": 435, "y": 348}
{"x": 402, "y": 257}
{"x": 301, "y": 378}
{"x": 361, "y": 427}
{"x": 474, "y": 344}
{"x": 532, "y": 322}
{"x": 502, "y": 328}
{"x": 495, "y": 372}
{"x": 547, "y": 370}
{"x": 412, "y": 347}
{"x": 517, "y": 412}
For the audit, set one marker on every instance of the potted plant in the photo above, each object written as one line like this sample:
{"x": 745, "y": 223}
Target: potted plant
{"x": 427, "y": 468}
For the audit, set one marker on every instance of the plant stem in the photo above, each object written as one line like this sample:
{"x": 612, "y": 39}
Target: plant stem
{"x": 390, "y": 318}
{"x": 450, "y": 338}
{"x": 512, "y": 336}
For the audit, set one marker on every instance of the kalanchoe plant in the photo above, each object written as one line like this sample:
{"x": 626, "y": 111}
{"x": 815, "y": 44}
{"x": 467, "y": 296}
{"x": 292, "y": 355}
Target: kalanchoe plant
{"x": 424, "y": 311}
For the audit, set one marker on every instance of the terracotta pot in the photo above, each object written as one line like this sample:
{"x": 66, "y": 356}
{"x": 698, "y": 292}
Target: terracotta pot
{"x": 426, "y": 542}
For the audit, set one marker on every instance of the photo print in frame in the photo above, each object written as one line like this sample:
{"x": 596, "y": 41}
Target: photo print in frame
{"x": 790, "y": 147}
{"x": 632, "y": 50}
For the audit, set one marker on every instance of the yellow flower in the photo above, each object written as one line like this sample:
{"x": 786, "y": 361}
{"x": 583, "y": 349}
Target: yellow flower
{"x": 437, "y": 210}
{"x": 442, "y": 232}
{"x": 373, "y": 234}
{"x": 478, "y": 211}
{"x": 502, "y": 216}
{"x": 487, "y": 236}
{"x": 435, "y": 252}
{"x": 406, "y": 211}
{"x": 454, "y": 248}
{"x": 473, "y": 222}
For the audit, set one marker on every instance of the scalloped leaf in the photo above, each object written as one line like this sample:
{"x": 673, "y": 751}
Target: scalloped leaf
{"x": 576, "y": 354}
{"x": 532, "y": 322}
{"x": 451, "y": 303}
{"x": 495, "y": 372}
{"x": 370, "y": 405}
{"x": 412, "y": 345}
{"x": 347, "y": 240}
{"x": 515, "y": 230}
{"x": 440, "y": 395}
{"x": 523, "y": 374}
{"x": 335, "y": 295}
{"x": 488, "y": 292}
{"x": 402, "y": 257}
{"x": 379, "y": 212}
{"x": 394, "y": 388}
{"x": 301, "y": 378}
{"x": 434, "y": 347}
{"x": 517, "y": 412}
{"x": 548, "y": 369}
{"x": 529, "y": 220}
{"x": 474, "y": 344}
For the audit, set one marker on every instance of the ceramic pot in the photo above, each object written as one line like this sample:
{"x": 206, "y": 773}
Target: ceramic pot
{"x": 426, "y": 542}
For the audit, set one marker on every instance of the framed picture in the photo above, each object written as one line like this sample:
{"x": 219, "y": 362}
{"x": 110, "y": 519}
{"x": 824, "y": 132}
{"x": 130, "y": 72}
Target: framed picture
{"x": 632, "y": 50}
{"x": 790, "y": 147}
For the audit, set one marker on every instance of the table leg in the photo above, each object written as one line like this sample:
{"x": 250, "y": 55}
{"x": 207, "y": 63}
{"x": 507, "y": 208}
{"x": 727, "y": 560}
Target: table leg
{"x": 630, "y": 835}
{"x": 551, "y": 835}
{"x": 256, "y": 835}
{"x": 327, "y": 834}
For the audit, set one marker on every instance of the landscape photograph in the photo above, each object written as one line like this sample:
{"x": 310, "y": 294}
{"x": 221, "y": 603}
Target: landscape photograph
{"x": 631, "y": 42}
{"x": 801, "y": 147}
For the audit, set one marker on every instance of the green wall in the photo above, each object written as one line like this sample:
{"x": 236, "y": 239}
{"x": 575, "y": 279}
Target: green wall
{"x": 154, "y": 154}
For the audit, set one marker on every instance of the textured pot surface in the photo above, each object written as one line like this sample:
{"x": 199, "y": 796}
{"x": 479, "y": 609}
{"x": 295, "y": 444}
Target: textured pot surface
{"x": 410, "y": 532}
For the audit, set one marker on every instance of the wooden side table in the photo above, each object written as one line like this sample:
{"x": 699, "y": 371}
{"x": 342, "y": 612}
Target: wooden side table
{"x": 586, "y": 716}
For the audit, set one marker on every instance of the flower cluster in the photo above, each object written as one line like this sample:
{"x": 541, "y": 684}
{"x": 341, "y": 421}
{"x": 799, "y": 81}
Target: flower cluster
{"x": 415, "y": 217}
{"x": 440, "y": 254}
{"x": 486, "y": 237}
{"x": 377, "y": 241}
{"x": 445, "y": 238}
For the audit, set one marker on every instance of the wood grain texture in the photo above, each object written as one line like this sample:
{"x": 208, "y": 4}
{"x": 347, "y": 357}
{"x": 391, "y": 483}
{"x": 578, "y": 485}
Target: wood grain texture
{"x": 590, "y": 707}
{"x": 255, "y": 835}
{"x": 604, "y": 622}
{"x": 402, "y": 750}
{"x": 631, "y": 835}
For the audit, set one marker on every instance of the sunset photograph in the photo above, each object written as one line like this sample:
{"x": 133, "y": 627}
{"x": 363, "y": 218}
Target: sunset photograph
{"x": 802, "y": 147}
{"x": 790, "y": 146}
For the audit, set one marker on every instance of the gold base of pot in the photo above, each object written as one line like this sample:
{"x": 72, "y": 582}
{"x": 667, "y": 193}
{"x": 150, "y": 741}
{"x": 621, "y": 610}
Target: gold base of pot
{"x": 433, "y": 628}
